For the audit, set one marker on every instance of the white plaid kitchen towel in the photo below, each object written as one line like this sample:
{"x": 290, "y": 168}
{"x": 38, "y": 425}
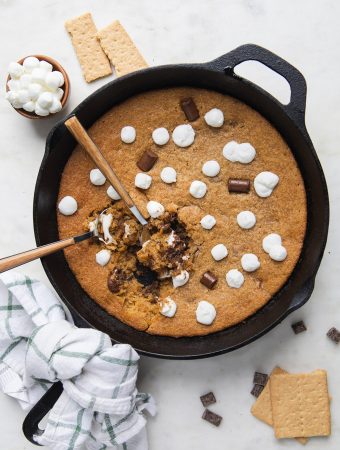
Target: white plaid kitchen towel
{"x": 100, "y": 407}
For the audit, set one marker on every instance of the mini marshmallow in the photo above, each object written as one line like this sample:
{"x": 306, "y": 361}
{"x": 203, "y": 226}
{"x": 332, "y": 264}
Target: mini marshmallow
{"x": 205, "y": 313}
{"x": 112, "y": 193}
{"x": 270, "y": 240}
{"x": 160, "y": 136}
{"x": 234, "y": 278}
{"x": 208, "y": 222}
{"x": 250, "y": 262}
{"x": 96, "y": 177}
{"x": 264, "y": 183}
{"x": 12, "y": 97}
{"x": 214, "y": 118}
{"x": 278, "y": 252}
{"x": 219, "y": 252}
{"x": 198, "y": 189}
{"x": 106, "y": 221}
{"x": 30, "y": 63}
{"x": 103, "y": 257}
{"x": 25, "y": 81}
{"x": 143, "y": 180}
{"x": 15, "y": 70}
{"x": 68, "y": 205}
{"x": 23, "y": 96}
{"x": 128, "y": 134}
{"x": 46, "y": 66}
{"x": 56, "y": 106}
{"x": 45, "y": 100}
{"x": 39, "y": 111}
{"x": 14, "y": 85}
{"x": 246, "y": 219}
{"x": 34, "y": 90}
{"x": 211, "y": 168}
{"x": 54, "y": 80}
{"x": 168, "y": 175}
{"x": 243, "y": 153}
{"x": 29, "y": 106}
{"x": 168, "y": 307}
{"x": 59, "y": 93}
{"x": 155, "y": 209}
{"x": 38, "y": 76}
{"x": 180, "y": 279}
{"x": 183, "y": 135}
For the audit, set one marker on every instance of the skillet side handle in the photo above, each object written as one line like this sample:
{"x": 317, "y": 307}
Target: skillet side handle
{"x": 302, "y": 296}
{"x": 30, "y": 427}
{"x": 296, "y": 108}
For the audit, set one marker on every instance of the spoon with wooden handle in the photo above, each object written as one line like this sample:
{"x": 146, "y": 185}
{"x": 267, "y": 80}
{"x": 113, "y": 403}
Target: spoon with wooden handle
{"x": 22, "y": 258}
{"x": 82, "y": 137}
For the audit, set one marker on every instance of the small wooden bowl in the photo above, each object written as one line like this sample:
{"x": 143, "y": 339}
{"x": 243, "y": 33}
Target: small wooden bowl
{"x": 65, "y": 86}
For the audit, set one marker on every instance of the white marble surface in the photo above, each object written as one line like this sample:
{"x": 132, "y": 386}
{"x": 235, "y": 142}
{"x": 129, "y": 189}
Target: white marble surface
{"x": 307, "y": 34}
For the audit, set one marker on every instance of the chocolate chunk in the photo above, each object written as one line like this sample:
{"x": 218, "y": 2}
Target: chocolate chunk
{"x": 334, "y": 335}
{"x": 238, "y": 185}
{"x": 116, "y": 280}
{"x": 144, "y": 275}
{"x": 260, "y": 378}
{"x": 208, "y": 279}
{"x": 257, "y": 389}
{"x": 299, "y": 327}
{"x": 190, "y": 109}
{"x": 147, "y": 160}
{"x": 208, "y": 399}
{"x": 212, "y": 418}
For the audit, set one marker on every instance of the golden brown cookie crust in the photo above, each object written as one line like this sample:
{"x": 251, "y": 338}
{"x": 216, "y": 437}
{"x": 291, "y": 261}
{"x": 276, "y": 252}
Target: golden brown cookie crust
{"x": 284, "y": 212}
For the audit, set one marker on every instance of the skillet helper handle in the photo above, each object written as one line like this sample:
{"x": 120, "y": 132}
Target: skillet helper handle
{"x": 296, "y": 108}
{"x": 82, "y": 137}
{"x": 30, "y": 427}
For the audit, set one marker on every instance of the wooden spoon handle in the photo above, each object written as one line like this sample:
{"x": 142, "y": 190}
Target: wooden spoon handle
{"x": 82, "y": 137}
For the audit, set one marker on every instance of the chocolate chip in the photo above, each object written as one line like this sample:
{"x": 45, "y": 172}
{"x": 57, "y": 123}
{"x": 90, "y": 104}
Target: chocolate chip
{"x": 257, "y": 389}
{"x": 238, "y": 185}
{"x": 212, "y": 418}
{"x": 190, "y": 109}
{"x": 147, "y": 160}
{"x": 334, "y": 335}
{"x": 299, "y": 327}
{"x": 208, "y": 279}
{"x": 208, "y": 399}
{"x": 260, "y": 378}
{"x": 115, "y": 280}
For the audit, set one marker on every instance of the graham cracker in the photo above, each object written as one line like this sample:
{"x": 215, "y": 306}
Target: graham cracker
{"x": 91, "y": 56}
{"x": 300, "y": 404}
{"x": 120, "y": 49}
{"x": 262, "y": 408}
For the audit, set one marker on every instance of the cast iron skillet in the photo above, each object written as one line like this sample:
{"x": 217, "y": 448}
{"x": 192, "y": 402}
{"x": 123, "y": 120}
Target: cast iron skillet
{"x": 289, "y": 120}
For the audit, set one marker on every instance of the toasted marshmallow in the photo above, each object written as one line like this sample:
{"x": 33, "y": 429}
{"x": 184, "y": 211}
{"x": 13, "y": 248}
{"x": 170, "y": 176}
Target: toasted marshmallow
{"x": 205, "y": 313}
{"x": 160, "y": 136}
{"x": 246, "y": 219}
{"x": 219, "y": 252}
{"x": 214, "y": 118}
{"x": 112, "y": 193}
{"x": 68, "y": 205}
{"x": 250, "y": 262}
{"x": 270, "y": 240}
{"x": 180, "y": 279}
{"x": 234, "y": 278}
{"x": 265, "y": 183}
{"x": 208, "y": 222}
{"x": 155, "y": 209}
{"x": 243, "y": 153}
{"x": 198, "y": 189}
{"x": 128, "y": 134}
{"x": 211, "y": 168}
{"x": 183, "y": 135}
{"x": 169, "y": 175}
{"x": 168, "y": 307}
{"x": 143, "y": 180}
{"x": 96, "y": 177}
{"x": 103, "y": 257}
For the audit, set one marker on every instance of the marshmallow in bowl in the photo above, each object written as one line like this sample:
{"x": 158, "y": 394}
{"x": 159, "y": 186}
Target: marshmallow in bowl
{"x": 264, "y": 183}
{"x": 128, "y": 134}
{"x": 270, "y": 240}
{"x": 214, "y": 118}
{"x": 243, "y": 153}
{"x": 211, "y": 168}
{"x": 103, "y": 257}
{"x": 54, "y": 80}
{"x": 180, "y": 279}
{"x": 155, "y": 209}
{"x": 183, "y": 135}
{"x": 234, "y": 278}
{"x": 160, "y": 136}
{"x": 15, "y": 70}
{"x": 219, "y": 252}
{"x": 250, "y": 262}
{"x": 208, "y": 222}
{"x": 143, "y": 180}
{"x": 112, "y": 193}
{"x": 168, "y": 175}
{"x": 198, "y": 189}
{"x": 246, "y": 219}
{"x": 205, "y": 313}
{"x": 68, "y": 205}
{"x": 97, "y": 178}
{"x": 168, "y": 307}
{"x": 30, "y": 63}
